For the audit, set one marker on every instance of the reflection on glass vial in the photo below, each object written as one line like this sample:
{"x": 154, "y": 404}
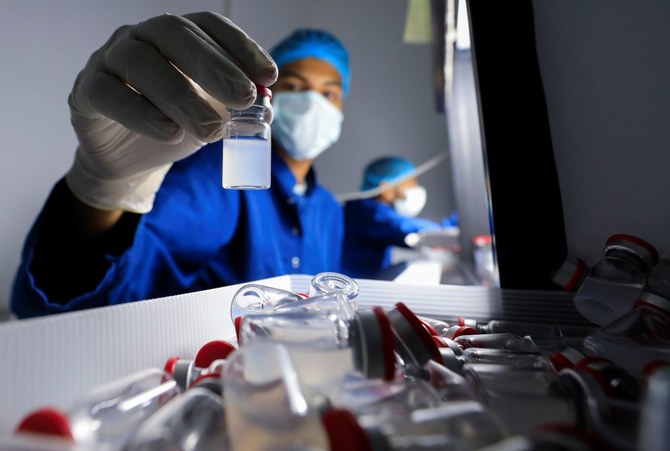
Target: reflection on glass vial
{"x": 246, "y": 146}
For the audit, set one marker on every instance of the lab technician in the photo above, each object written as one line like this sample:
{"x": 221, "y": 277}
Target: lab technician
{"x": 374, "y": 225}
{"x": 141, "y": 213}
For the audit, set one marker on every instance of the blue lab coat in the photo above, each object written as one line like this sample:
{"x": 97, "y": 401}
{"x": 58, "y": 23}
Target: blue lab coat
{"x": 200, "y": 236}
{"x": 372, "y": 228}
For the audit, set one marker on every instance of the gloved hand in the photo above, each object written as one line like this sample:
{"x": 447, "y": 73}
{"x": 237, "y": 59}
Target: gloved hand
{"x": 135, "y": 109}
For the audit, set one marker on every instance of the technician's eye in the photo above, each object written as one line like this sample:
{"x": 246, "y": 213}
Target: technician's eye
{"x": 333, "y": 96}
{"x": 288, "y": 85}
{"x": 293, "y": 87}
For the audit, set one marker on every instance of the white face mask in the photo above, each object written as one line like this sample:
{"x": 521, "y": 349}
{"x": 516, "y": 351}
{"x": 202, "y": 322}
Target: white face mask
{"x": 413, "y": 203}
{"x": 305, "y": 123}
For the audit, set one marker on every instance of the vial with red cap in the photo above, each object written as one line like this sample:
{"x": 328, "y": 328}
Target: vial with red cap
{"x": 193, "y": 420}
{"x": 449, "y": 385}
{"x": 606, "y": 399}
{"x": 395, "y": 397}
{"x": 108, "y": 415}
{"x": 522, "y": 396}
{"x": 247, "y": 146}
{"x": 616, "y": 279}
{"x": 510, "y": 349}
{"x": 461, "y": 425}
{"x": 532, "y": 329}
{"x": 415, "y": 345}
{"x": 502, "y": 340}
{"x": 402, "y": 415}
{"x": 209, "y": 359}
{"x": 267, "y": 405}
{"x": 325, "y": 347}
{"x": 635, "y": 339}
{"x": 434, "y": 326}
{"x": 454, "y": 357}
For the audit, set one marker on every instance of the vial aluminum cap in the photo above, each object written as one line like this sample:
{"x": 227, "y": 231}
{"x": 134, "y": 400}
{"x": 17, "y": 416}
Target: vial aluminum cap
{"x": 637, "y": 246}
{"x": 263, "y": 97}
{"x": 444, "y": 342}
{"x": 415, "y": 343}
{"x": 182, "y": 373}
{"x": 263, "y": 91}
{"x": 450, "y": 359}
{"x": 653, "y": 300}
{"x": 374, "y": 353}
{"x": 429, "y": 327}
{"x": 570, "y": 274}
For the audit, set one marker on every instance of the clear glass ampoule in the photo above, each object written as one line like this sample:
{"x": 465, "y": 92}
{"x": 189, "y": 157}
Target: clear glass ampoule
{"x": 246, "y": 145}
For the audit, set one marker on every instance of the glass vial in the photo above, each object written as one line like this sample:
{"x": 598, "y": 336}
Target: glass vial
{"x": 254, "y": 298}
{"x": 414, "y": 343}
{"x": 522, "y": 396}
{"x": 657, "y": 291}
{"x": 635, "y": 339}
{"x": 654, "y": 433}
{"x": 395, "y": 426}
{"x": 325, "y": 347}
{"x": 327, "y": 282}
{"x": 192, "y": 421}
{"x": 265, "y": 402}
{"x": 246, "y": 145}
{"x": 616, "y": 280}
{"x": 108, "y": 415}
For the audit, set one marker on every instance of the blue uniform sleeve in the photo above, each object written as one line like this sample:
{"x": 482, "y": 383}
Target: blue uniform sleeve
{"x": 153, "y": 255}
{"x": 375, "y": 221}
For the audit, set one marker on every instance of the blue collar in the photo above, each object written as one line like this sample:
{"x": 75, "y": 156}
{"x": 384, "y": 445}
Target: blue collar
{"x": 284, "y": 178}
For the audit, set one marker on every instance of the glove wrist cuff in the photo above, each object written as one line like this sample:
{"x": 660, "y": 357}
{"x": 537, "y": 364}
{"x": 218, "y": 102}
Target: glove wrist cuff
{"x": 134, "y": 193}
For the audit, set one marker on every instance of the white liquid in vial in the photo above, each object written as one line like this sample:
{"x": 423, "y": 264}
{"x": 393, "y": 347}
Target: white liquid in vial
{"x": 602, "y": 301}
{"x": 264, "y": 424}
{"x": 321, "y": 368}
{"x": 246, "y": 163}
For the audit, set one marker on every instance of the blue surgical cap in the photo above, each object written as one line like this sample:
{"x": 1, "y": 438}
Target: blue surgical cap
{"x": 385, "y": 169}
{"x": 306, "y": 43}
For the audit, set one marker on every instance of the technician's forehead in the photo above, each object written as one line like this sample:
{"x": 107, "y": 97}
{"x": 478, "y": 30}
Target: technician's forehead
{"x": 311, "y": 67}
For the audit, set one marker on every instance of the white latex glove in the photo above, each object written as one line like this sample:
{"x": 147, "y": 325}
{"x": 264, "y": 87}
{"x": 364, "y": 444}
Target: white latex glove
{"x": 135, "y": 109}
